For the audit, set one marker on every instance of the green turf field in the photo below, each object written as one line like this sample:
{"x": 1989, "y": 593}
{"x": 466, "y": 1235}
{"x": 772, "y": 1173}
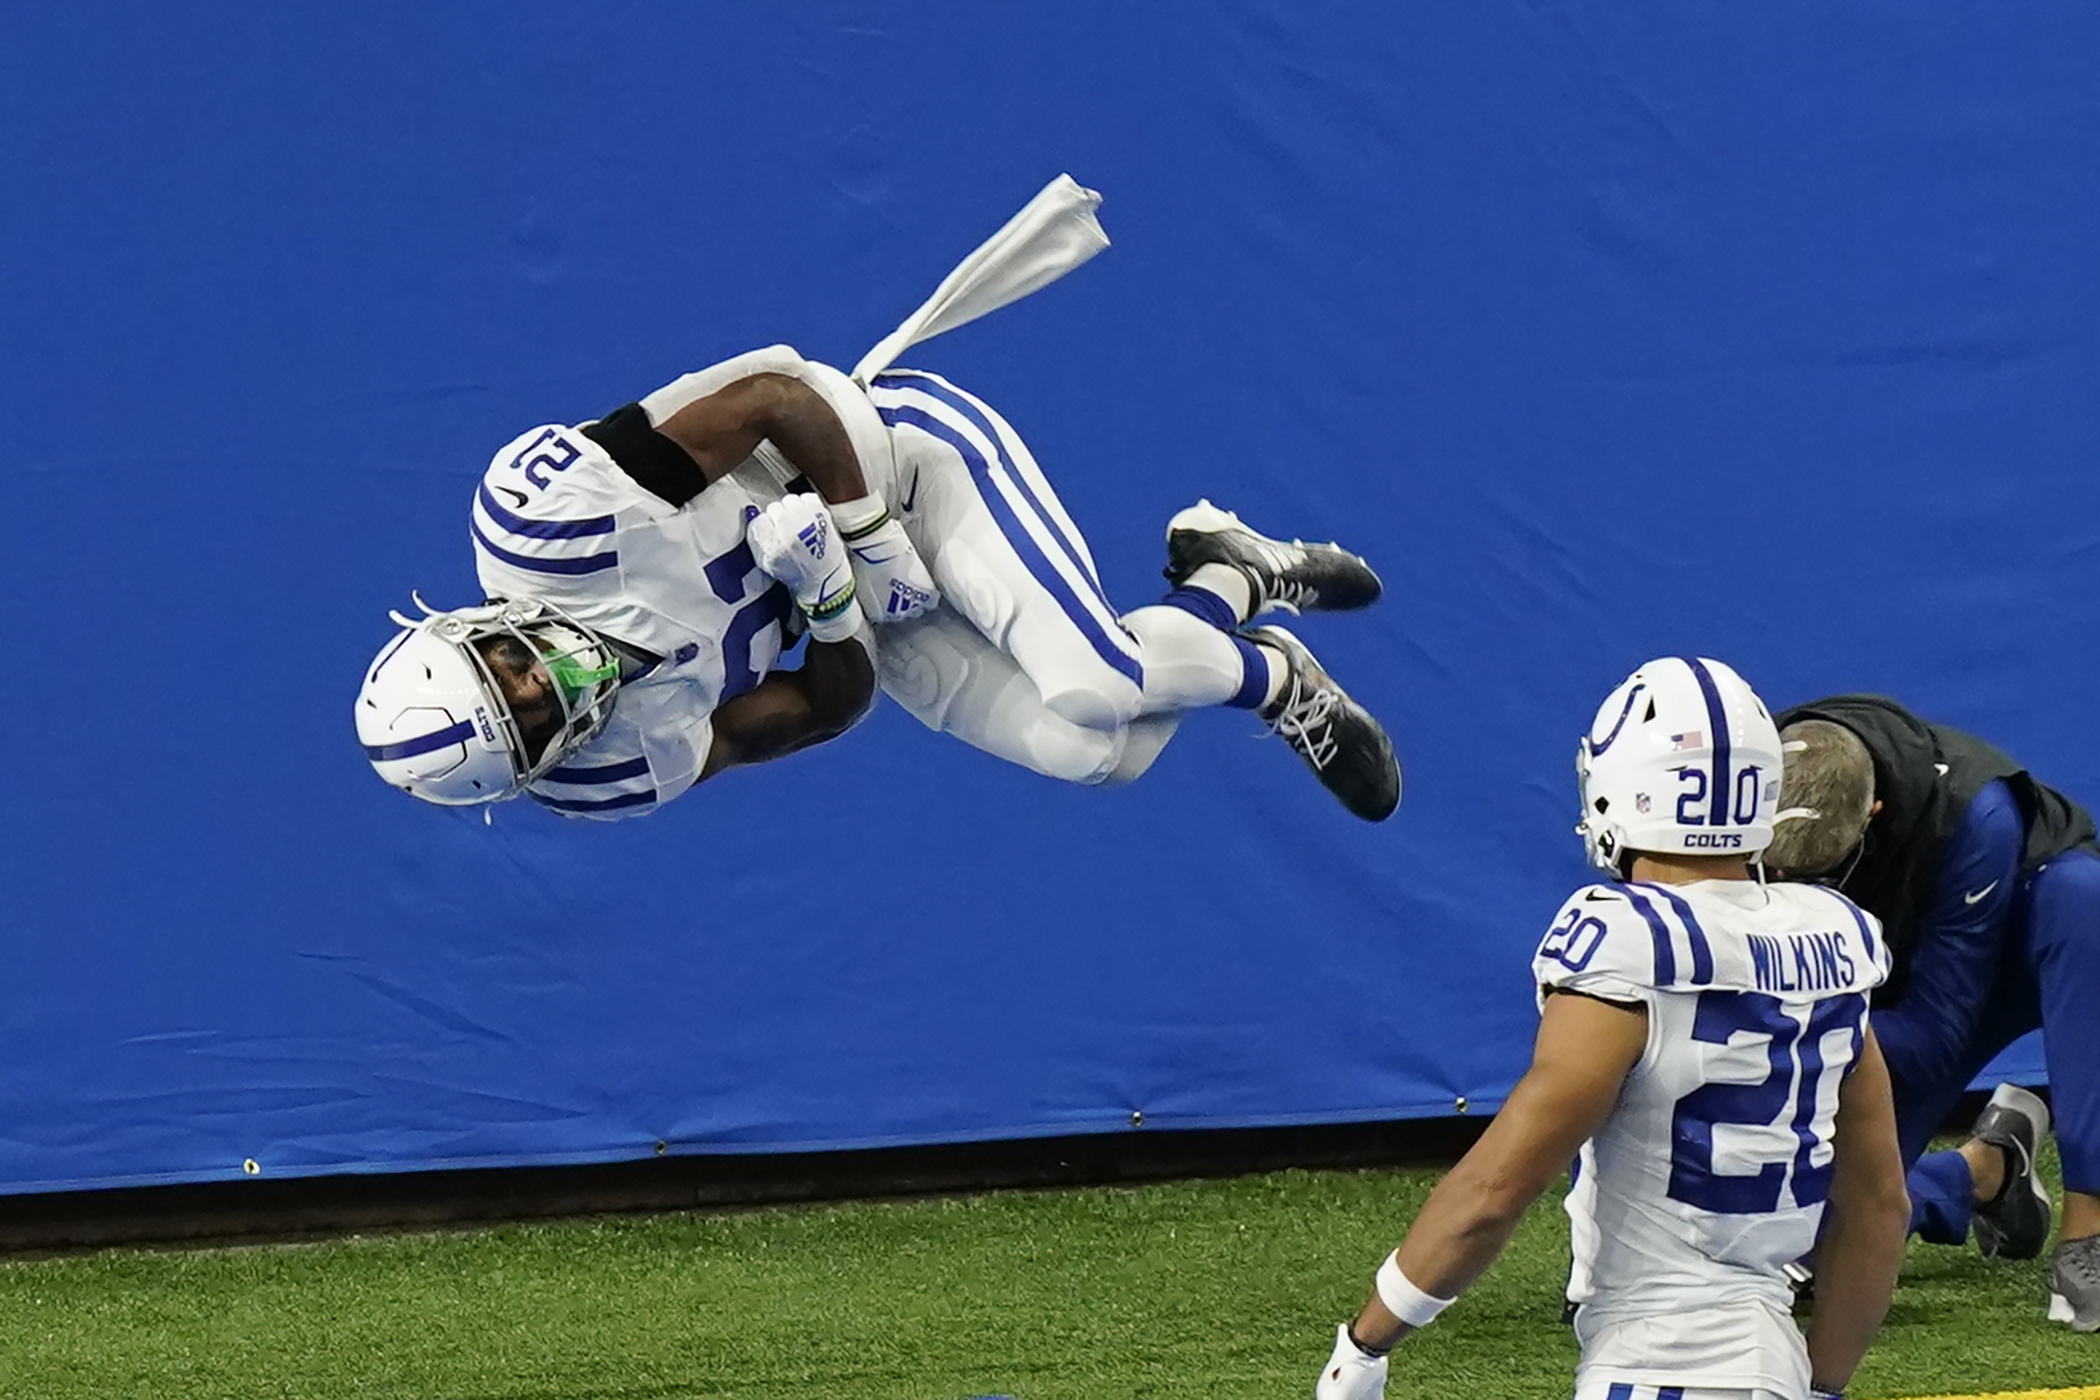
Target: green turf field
{"x": 1207, "y": 1289}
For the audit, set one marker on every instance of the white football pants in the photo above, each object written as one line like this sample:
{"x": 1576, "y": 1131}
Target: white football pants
{"x": 1026, "y": 658}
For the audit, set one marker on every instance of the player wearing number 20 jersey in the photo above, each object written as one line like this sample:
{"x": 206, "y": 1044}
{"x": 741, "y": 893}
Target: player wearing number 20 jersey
{"x": 1704, "y": 1055}
{"x": 1711, "y": 1173}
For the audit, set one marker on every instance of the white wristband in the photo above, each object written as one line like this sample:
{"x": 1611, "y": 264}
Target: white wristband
{"x": 1402, "y": 1299}
{"x": 858, "y": 517}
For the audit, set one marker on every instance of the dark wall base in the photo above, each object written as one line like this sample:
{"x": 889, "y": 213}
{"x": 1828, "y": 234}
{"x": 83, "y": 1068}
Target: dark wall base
{"x": 220, "y": 1212}
{"x": 249, "y": 1211}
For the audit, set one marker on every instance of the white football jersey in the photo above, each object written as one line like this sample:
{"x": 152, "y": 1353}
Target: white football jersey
{"x": 1711, "y": 1173}
{"x": 555, "y": 518}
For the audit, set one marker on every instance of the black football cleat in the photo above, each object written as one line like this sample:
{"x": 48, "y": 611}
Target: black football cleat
{"x": 1290, "y": 575}
{"x": 2014, "y": 1224}
{"x": 1347, "y": 750}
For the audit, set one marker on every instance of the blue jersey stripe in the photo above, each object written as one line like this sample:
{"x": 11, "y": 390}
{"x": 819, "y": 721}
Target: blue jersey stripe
{"x": 1110, "y": 649}
{"x": 428, "y": 743}
{"x": 1702, "y": 951}
{"x": 1717, "y": 715}
{"x": 595, "y": 804}
{"x": 1866, "y": 934}
{"x": 588, "y": 564}
{"x": 604, "y": 773}
{"x": 973, "y": 412}
{"x": 541, "y": 529}
{"x": 1665, "y": 955}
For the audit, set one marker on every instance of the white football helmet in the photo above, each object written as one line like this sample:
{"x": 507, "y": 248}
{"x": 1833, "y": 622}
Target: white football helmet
{"x": 1682, "y": 759}
{"x": 434, "y": 720}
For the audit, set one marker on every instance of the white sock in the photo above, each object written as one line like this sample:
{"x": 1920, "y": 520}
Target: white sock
{"x": 1227, "y": 583}
{"x": 1279, "y": 672}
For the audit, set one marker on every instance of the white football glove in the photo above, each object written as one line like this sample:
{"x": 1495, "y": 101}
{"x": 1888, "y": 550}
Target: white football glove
{"x": 1349, "y": 1374}
{"x": 895, "y": 584}
{"x": 795, "y": 541}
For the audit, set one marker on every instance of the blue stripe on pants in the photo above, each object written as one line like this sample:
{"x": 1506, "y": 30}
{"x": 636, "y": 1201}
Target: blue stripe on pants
{"x": 973, "y": 412}
{"x": 1116, "y": 650}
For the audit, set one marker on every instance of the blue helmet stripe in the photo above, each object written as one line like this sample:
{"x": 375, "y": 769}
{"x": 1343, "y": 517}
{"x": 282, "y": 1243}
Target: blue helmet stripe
{"x": 1717, "y": 714}
{"x": 428, "y": 743}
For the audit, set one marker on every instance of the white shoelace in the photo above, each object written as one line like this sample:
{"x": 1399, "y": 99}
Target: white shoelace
{"x": 1300, "y": 716}
{"x": 1287, "y": 594}
{"x": 1291, "y": 597}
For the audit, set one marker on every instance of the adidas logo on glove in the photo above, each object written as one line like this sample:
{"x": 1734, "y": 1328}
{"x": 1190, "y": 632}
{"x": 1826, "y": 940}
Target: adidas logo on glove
{"x": 816, "y": 536}
{"x": 904, "y": 598}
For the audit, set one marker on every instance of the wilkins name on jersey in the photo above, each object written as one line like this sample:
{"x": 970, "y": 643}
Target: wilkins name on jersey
{"x": 1711, "y": 1173}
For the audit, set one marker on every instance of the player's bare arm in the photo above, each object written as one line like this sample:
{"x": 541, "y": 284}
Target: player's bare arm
{"x": 1585, "y": 1049}
{"x": 1865, "y": 1223}
{"x": 644, "y": 572}
{"x": 724, "y": 428}
{"x": 793, "y": 710}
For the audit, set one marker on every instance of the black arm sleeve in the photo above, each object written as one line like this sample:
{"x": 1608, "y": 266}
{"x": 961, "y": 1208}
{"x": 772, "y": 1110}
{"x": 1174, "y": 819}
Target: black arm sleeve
{"x": 657, "y": 464}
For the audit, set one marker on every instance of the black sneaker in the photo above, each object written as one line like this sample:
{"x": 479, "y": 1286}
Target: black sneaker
{"x": 1287, "y": 574}
{"x": 2014, "y": 1224}
{"x": 1335, "y": 736}
{"x": 2074, "y": 1283}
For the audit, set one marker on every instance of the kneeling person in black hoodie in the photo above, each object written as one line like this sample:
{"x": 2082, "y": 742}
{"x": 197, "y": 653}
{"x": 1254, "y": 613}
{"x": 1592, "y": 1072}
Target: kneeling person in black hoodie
{"x": 1987, "y": 883}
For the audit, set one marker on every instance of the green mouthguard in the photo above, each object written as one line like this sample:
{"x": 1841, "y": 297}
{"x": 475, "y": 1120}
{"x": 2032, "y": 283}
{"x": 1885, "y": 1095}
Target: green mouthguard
{"x": 575, "y": 678}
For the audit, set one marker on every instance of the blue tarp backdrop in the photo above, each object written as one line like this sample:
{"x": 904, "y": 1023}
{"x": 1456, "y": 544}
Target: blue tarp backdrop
{"x": 1607, "y": 330}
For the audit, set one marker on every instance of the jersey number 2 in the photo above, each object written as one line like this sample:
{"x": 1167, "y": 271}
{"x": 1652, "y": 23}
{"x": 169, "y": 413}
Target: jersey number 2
{"x": 1793, "y": 1080}
{"x": 549, "y": 452}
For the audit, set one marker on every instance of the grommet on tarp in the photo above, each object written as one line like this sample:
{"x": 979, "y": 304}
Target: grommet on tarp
{"x": 1137, "y": 1118}
{"x": 252, "y": 1167}
{"x": 662, "y": 1147}
{"x": 1461, "y": 1104}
